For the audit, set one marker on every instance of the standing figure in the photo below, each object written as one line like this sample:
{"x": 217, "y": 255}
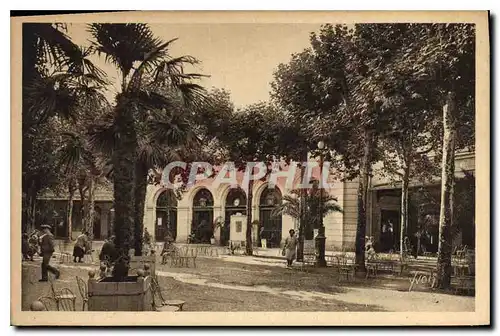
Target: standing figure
{"x": 390, "y": 235}
{"x": 81, "y": 245}
{"x": 261, "y": 235}
{"x": 290, "y": 248}
{"x": 108, "y": 253}
{"x": 47, "y": 248}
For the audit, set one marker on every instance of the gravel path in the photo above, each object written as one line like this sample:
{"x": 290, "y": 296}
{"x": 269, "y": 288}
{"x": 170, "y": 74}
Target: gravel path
{"x": 233, "y": 283}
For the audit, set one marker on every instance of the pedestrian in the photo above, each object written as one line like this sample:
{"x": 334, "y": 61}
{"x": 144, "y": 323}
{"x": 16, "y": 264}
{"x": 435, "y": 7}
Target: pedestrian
{"x": 46, "y": 250}
{"x": 261, "y": 235}
{"x": 82, "y": 242}
{"x": 108, "y": 252}
{"x": 290, "y": 248}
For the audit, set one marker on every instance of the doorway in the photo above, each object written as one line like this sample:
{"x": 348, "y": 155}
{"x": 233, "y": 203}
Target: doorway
{"x": 389, "y": 230}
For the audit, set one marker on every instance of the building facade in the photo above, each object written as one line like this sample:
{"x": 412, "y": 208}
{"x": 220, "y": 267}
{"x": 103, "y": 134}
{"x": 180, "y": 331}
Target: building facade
{"x": 190, "y": 218}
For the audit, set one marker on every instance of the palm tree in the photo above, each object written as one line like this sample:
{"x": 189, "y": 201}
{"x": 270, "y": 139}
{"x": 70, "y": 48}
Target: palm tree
{"x": 145, "y": 66}
{"x": 164, "y": 136}
{"x": 312, "y": 199}
{"x": 58, "y": 80}
{"x": 85, "y": 169}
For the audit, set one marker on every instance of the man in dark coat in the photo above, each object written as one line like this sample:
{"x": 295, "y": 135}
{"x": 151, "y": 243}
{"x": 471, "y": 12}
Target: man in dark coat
{"x": 47, "y": 248}
{"x": 108, "y": 251}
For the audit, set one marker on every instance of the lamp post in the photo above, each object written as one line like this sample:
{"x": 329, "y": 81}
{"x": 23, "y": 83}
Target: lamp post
{"x": 320, "y": 238}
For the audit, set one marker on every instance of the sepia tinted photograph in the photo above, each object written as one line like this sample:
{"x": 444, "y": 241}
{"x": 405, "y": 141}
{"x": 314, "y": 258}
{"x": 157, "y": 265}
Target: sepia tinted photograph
{"x": 317, "y": 164}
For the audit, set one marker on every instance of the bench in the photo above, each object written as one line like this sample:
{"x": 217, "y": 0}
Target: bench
{"x": 346, "y": 266}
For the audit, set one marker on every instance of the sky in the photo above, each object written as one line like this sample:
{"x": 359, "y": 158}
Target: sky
{"x": 239, "y": 57}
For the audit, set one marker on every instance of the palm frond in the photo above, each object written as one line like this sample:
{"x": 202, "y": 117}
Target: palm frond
{"x": 72, "y": 152}
{"x": 50, "y": 42}
{"x": 48, "y": 96}
{"x": 146, "y": 100}
{"x": 150, "y": 62}
{"x": 123, "y": 44}
{"x": 103, "y": 135}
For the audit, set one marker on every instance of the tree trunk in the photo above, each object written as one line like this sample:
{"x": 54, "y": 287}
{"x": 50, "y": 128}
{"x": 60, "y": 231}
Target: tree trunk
{"x": 69, "y": 211}
{"x": 141, "y": 175}
{"x": 362, "y": 201}
{"x": 124, "y": 158}
{"x": 403, "y": 227}
{"x": 32, "y": 194}
{"x": 32, "y": 213}
{"x": 249, "y": 249}
{"x": 83, "y": 204}
{"x": 447, "y": 181}
{"x": 91, "y": 207}
{"x": 302, "y": 219}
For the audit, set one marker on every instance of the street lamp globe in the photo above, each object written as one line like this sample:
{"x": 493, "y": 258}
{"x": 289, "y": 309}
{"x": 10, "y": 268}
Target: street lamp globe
{"x": 321, "y": 145}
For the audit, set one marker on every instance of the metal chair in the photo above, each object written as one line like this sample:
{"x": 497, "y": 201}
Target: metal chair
{"x": 159, "y": 300}
{"x": 156, "y": 302}
{"x": 64, "y": 294}
{"x": 88, "y": 258}
{"x": 82, "y": 287}
{"x": 66, "y": 300}
{"x": 64, "y": 256}
{"x": 345, "y": 266}
{"x": 48, "y": 302}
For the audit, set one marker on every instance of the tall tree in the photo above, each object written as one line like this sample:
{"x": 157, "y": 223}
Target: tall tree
{"x": 58, "y": 80}
{"x": 144, "y": 64}
{"x": 446, "y": 60}
{"x": 330, "y": 86}
{"x": 248, "y": 141}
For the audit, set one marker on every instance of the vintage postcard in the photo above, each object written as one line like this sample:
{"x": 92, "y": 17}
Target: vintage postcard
{"x": 251, "y": 168}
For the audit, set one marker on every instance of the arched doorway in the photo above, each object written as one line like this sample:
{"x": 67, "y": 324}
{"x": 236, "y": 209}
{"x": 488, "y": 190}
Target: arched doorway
{"x": 203, "y": 215}
{"x": 272, "y": 225}
{"x": 166, "y": 216}
{"x": 236, "y": 202}
{"x": 97, "y": 223}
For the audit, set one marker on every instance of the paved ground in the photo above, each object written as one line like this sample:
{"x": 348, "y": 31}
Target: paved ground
{"x": 240, "y": 283}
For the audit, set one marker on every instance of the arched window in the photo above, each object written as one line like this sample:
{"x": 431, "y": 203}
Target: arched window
{"x": 271, "y": 225}
{"x": 166, "y": 216}
{"x": 203, "y": 214}
{"x": 203, "y": 199}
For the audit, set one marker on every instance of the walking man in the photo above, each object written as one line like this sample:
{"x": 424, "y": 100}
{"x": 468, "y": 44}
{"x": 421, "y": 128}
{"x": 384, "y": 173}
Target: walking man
{"x": 290, "y": 248}
{"x": 46, "y": 250}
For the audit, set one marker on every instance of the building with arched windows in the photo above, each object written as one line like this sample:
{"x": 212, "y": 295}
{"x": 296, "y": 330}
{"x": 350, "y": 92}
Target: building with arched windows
{"x": 191, "y": 217}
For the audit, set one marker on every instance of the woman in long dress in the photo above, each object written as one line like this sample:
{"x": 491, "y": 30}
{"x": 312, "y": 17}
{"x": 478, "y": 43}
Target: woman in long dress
{"x": 80, "y": 247}
{"x": 290, "y": 248}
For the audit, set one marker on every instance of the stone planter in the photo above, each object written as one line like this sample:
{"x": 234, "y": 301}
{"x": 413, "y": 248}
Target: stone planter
{"x": 133, "y": 294}
{"x": 147, "y": 263}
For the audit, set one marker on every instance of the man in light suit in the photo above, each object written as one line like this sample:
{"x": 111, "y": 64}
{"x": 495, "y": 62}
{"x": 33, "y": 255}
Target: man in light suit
{"x": 47, "y": 248}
